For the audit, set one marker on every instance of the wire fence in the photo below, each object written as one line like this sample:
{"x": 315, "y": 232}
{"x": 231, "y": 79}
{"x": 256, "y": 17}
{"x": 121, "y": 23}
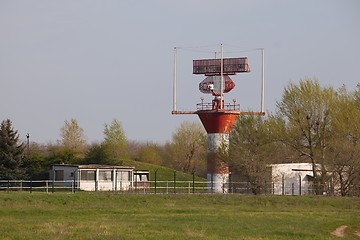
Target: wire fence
{"x": 156, "y": 187}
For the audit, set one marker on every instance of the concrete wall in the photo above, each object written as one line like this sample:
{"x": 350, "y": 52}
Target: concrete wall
{"x": 292, "y": 178}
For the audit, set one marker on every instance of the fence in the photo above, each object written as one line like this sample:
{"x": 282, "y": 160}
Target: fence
{"x": 37, "y": 185}
{"x": 159, "y": 187}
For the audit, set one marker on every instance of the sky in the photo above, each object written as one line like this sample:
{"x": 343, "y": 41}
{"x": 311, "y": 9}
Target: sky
{"x": 95, "y": 61}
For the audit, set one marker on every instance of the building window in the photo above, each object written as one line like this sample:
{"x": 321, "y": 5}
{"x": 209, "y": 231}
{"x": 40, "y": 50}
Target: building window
{"x": 141, "y": 177}
{"x": 59, "y": 175}
{"x": 105, "y": 175}
{"x": 87, "y": 175}
{"x": 123, "y": 176}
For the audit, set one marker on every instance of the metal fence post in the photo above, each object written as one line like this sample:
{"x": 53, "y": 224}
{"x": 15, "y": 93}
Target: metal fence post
{"x": 136, "y": 185}
{"x": 72, "y": 186}
{"x": 53, "y": 181}
{"x": 174, "y": 181}
{"x": 155, "y": 179}
{"x": 299, "y": 185}
{"x": 212, "y": 182}
{"x": 265, "y": 187}
{"x": 74, "y": 182}
{"x": 193, "y": 182}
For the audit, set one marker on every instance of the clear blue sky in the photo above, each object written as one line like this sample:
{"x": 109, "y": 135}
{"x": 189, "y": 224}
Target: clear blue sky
{"x": 99, "y": 60}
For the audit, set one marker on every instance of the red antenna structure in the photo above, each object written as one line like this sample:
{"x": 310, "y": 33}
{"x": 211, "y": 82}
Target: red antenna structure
{"x": 218, "y": 117}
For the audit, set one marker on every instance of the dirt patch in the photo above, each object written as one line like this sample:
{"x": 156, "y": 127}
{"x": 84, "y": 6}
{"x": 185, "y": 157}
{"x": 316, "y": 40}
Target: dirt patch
{"x": 340, "y": 231}
{"x": 357, "y": 233}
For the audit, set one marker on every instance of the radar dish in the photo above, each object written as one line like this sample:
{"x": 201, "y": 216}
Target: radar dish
{"x": 216, "y": 81}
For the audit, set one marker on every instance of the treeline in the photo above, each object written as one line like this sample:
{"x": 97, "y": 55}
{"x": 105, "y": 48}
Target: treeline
{"x": 29, "y": 160}
{"x": 313, "y": 124}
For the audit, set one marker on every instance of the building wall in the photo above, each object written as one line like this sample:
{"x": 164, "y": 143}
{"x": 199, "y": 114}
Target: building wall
{"x": 107, "y": 180}
{"x": 93, "y": 179}
{"x": 292, "y": 178}
{"x": 64, "y": 174}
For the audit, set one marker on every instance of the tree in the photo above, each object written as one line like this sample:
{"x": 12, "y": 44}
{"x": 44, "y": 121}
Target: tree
{"x": 306, "y": 127}
{"x": 73, "y": 139}
{"x": 133, "y": 149}
{"x": 36, "y": 162}
{"x": 96, "y": 154}
{"x": 357, "y": 97}
{"x": 115, "y": 143}
{"x": 187, "y": 150}
{"x": 251, "y": 150}
{"x": 11, "y": 152}
{"x": 344, "y": 145}
{"x": 150, "y": 153}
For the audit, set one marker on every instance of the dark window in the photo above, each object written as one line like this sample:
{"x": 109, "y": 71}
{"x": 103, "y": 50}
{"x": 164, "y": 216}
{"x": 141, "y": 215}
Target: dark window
{"x": 87, "y": 175}
{"x": 59, "y": 175}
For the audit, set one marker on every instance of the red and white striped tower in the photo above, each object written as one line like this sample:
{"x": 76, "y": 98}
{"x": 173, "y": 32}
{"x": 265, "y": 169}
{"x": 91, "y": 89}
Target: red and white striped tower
{"x": 218, "y": 124}
{"x": 217, "y": 117}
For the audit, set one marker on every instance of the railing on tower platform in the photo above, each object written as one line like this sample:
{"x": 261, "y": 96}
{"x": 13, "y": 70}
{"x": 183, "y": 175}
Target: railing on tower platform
{"x": 210, "y": 106}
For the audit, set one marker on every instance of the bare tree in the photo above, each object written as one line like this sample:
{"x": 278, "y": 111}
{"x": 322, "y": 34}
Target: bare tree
{"x": 251, "y": 151}
{"x": 187, "y": 150}
{"x": 306, "y": 127}
{"x": 345, "y": 143}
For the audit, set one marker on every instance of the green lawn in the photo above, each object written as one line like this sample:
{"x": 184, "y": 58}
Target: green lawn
{"x": 162, "y": 173}
{"x": 175, "y": 216}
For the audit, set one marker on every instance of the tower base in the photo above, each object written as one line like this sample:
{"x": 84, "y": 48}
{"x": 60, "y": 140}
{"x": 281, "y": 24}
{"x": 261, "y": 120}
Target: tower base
{"x": 218, "y": 183}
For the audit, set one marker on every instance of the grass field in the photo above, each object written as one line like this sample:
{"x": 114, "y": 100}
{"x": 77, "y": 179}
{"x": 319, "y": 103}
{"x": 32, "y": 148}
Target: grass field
{"x": 177, "y": 216}
{"x": 163, "y": 173}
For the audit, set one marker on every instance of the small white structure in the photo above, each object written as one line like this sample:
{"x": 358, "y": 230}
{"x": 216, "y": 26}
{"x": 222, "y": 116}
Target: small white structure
{"x": 292, "y": 178}
{"x": 98, "y": 177}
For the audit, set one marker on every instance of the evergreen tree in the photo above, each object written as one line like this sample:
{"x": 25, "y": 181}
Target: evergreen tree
{"x": 11, "y": 152}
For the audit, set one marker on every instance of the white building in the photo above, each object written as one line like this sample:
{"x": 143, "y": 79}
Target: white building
{"x": 292, "y": 178}
{"x": 99, "y": 177}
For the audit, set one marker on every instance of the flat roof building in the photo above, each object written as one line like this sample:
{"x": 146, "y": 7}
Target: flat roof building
{"x": 94, "y": 177}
